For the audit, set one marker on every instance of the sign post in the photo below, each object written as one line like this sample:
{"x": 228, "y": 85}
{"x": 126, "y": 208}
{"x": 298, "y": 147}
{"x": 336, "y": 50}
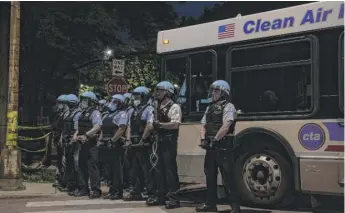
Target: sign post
{"x": 118, "y": 68}
{"x": 116, "y": 86}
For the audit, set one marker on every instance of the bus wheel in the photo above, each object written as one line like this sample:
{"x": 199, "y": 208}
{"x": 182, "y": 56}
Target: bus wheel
{"x": 264, "y": 178}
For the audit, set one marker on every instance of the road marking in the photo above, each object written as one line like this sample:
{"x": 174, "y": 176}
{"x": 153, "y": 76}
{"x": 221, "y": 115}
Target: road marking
{"x": 78, "y": 203}
{"x": 114, "y": 210}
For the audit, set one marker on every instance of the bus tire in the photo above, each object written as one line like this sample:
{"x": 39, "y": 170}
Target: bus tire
{"x": 265, "y": 165}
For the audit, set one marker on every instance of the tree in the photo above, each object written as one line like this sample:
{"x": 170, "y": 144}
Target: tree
{"x": 57, "y": 37}
{"x": 231, "y": 9}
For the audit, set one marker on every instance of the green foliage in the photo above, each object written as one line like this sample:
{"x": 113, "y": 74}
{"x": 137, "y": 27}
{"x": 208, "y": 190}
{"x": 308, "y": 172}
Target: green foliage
{"x": 84, "y": 88}
{"x": 61, "y": 40}
{"x": 39, "y": 176}
{"x": 141, "y": 72}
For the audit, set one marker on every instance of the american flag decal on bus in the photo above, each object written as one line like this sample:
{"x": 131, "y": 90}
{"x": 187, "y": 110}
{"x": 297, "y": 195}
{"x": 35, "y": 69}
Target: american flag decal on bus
{"x": 226, "y": 31}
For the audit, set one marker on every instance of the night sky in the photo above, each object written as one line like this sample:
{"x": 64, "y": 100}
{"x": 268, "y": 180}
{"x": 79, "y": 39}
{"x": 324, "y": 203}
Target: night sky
{"x": 194, "y": 8}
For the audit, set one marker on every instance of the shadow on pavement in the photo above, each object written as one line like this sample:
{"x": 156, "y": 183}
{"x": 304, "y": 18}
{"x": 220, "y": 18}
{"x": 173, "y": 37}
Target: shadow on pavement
{"x": 301, "y": 203}
{"x": 247, "y": 211}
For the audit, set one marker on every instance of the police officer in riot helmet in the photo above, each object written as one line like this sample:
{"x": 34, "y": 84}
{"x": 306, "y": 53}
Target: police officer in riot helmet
{"x": 70, "y": 126}
{"x": 60, "y": 110}
{"x": 128, "y": 101}
{"x": 116, "y": 122}
{"x": 217, "y": 138}
{"x": 139, "y": 138}
{"x": 102, "y": 107}
{"x": 127, "y": 181}
{"x": 176, "y": 92}
{"x": 166, "y": 125}
{"x": 89, "y": 125}
{"x": 103, "y": 163}
{"x": 59, "y": 104}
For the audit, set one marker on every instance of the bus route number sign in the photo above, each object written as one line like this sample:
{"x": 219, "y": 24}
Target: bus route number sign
{"x": 116, "y": 86}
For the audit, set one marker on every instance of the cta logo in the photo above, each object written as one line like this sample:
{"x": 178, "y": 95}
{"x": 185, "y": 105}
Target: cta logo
{"x": 311, "y": 136}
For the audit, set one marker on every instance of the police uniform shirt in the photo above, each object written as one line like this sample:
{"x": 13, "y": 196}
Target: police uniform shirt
{"x": 120, "y": 118}
{"x": 146, "y": 115}
{"x": 95, "y": 118}
{"x": 65, "y": 114}
{"x": 76, "y": 118}
{"x": 129, "y": 114}
{"x": 229, "y": 114}
{"x": 175, "y": 113}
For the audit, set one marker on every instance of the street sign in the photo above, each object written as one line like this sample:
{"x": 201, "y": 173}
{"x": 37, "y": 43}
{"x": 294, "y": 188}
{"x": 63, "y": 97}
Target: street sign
{"x": 116, "y": 86}
{"x": 118, "y": 68}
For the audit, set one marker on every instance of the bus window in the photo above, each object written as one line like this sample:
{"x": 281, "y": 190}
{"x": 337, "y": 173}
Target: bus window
{"x": 176, "y": 72}
{"x": 201, "y": 79}
{"x": 341, "y": 73}
{"x": 273, "y": 78}
{"x": 197, "y": 81}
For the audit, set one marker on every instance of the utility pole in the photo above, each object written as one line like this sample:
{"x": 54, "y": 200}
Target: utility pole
{"x": 11, "y": 156}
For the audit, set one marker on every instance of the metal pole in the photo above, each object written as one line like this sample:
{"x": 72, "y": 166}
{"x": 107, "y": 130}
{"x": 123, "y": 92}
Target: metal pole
{"x": 11, "y": 157}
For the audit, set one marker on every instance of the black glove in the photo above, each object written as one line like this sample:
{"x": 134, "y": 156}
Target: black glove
{"x": 213, "y": 143}
{"x": 110, "y": 144}
{"x": 157, "y": 125}
{"x": 127, "y": 144}
{"x": 204, "y": 144}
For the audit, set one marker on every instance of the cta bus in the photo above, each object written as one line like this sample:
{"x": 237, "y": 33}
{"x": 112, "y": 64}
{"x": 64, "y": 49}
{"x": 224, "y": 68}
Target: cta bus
{"x": 286, "y": 72}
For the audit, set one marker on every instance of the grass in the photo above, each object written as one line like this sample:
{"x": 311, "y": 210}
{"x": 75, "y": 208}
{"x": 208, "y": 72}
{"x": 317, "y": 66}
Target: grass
{"x": 39, "y": 176}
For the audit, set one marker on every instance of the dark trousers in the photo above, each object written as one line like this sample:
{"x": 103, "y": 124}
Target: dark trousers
{"x": 68, "y": 166}
{"x": 222, "y": 159}
{"x": 103, "y": 163}
{"x": 141, "y": 165}
{"x": 87, "y": 167}
{"x": 115, "y": 159}
{"x": 128, "y": 178}
{"x": 60, "y": 173}
{"x": 166, "y": 174}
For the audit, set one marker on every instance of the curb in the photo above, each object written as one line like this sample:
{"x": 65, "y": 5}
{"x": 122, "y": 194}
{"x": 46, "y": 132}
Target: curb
{"x": 27, "y": 196}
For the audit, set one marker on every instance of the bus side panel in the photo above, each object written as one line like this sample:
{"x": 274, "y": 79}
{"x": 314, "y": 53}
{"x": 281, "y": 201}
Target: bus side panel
{"x": 321, "y": 175}
{"x": 190, "y": 157}
{"x": 319, "y": 146}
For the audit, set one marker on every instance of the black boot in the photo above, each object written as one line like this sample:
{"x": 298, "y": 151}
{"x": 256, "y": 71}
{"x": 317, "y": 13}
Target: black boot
{"x": 73, "y": 193}
{"x": 82, "y": 193}
{"x": 70, "y": 189}
{"x": 107, "y": 196}
{"x": 206, "y": 207}
{"x": 172, "y": 204}
{"x": 133, "y": 197}
{"x": 62, "y": 189}
{"x": 115, "y": 197}
{"x": 155, "y": 201}
{"x": 95, "y": 194}
{"x": 235, "y": 208}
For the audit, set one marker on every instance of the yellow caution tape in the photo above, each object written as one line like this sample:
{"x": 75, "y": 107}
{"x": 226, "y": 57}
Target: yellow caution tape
{"x": 33, "y": 139}
{"x": 31, "y": 151}
{"x": 12, "y": 128}
{"x": 34, "y": 127}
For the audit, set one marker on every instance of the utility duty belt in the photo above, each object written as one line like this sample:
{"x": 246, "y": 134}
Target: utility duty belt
{"x": 136, "y": 142}
{"x": 225, "y": 143}
{"x": 67, "y": 138}
{"x": 167, "y": 137}
{"x": 135, "y": 139}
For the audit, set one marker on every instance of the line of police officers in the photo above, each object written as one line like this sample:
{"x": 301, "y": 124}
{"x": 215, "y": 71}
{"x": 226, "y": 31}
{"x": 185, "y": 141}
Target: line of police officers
{"x": 131, "y": 142}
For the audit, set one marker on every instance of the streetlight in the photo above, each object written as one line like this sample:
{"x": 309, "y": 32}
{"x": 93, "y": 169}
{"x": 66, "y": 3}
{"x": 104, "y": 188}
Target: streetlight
{"x": 108, "y": 53}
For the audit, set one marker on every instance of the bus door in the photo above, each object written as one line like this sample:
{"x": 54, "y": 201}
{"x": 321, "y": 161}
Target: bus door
{"x": 193, "y": 73}
{"x": 341, "y": 105}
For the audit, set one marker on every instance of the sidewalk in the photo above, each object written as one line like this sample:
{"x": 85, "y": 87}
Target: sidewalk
{"x": 46, "y": 189}
{"x": 32, "y": 190}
